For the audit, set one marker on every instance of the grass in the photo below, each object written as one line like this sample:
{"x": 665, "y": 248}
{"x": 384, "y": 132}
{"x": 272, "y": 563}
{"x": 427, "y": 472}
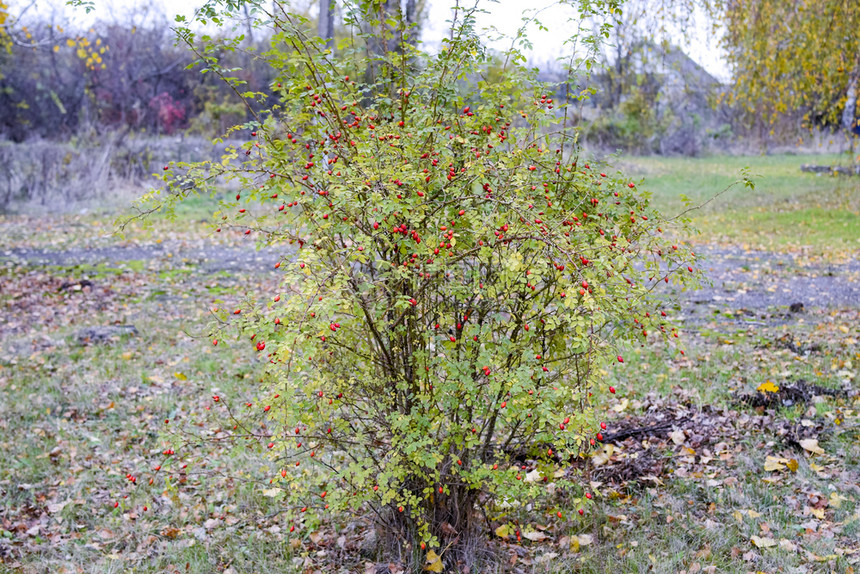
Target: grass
{"x": 76, "y": 419}
{"x": 192, "y": 221}
{"x": 705, "y": 519}
{"x": 788, "y": 209}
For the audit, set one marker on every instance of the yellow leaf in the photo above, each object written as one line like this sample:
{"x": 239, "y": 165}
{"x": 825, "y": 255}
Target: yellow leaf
{"x": 767, "y": 387}
{"x": 817, "y": 513}
{"x": 603, "y": 455}
{"x": 811, "y": 445}
{"x": 773, "y": 463}
{"x": 576, "y": 542}
{"x": 836, "y": 499}
{"x": 792, "y": 465}
{"x": 763, "y": 542}
{"x": 180, "y": 376}
{"x": 621, "y": 406}
{"x": 433, "y": 562}
{"x": 503, "y": 531}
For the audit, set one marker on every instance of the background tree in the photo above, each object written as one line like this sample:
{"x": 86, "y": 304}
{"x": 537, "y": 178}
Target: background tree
{"x": 5, "y": 41}
{"x": 649, "y": 96}
{"x": 789, "y": 55}
{"x": 59, "y": 81}
{"x": 325, "y": 24}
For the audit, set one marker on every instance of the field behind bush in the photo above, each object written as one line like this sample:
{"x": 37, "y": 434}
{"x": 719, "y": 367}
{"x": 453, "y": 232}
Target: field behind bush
{"x": 740, "y": 455}
{"x": 788, "y": 210}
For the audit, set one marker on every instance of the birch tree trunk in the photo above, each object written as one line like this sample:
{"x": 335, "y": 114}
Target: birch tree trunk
{"x": 849, "y": 121}
{"x": 325, "y": 27}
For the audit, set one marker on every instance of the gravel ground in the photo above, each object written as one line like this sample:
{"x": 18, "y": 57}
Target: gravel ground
{"x": 740, "y": 279}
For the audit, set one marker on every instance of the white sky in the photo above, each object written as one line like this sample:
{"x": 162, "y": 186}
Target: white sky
{"x": 505, "y": 15}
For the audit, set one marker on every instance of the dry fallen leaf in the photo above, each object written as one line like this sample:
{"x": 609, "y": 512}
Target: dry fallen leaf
{"x": 503, "y": 531}
{"x": 585, "y": 539}
{"x": 534, "y": 536}
{"x": 546, "y": 557}
{"x": 602, "y": 456}
{"x": 621, "y": 406}
{"x": 433, "y": 562}
{"x": 773, "y": 463}
{"x": 105, "y": 534}
{"x": 677, "y": 437}
{"x": 763, "y": 542}
{"x": 811, "y": 445}
{"x": 55, "y": 507}
{"x": 836, "y": 499}
{"x": 576, "y": 541}
{"x": 534, "y": 476}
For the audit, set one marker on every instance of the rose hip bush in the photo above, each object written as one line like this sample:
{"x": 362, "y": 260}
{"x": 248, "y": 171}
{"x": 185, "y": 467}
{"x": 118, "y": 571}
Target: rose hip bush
{"x": 457, "y": 278}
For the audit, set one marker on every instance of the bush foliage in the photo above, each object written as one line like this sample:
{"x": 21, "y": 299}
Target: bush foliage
{"x": 457, "y": 278}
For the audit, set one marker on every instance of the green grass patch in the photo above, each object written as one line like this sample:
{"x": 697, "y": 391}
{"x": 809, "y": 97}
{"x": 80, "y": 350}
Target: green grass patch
{"x": 787, "y": 208}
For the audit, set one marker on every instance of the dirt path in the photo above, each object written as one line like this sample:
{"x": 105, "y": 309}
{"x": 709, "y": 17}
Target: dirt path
{"x": 741, "y": 279}
{"x": 762, "y": 279}
{"x": 211, "y": 258}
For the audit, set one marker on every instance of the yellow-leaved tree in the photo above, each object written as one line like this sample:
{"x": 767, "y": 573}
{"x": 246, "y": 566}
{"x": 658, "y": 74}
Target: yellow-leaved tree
{"x": 5, "y": 42}
{"x": 789, "y": 55}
